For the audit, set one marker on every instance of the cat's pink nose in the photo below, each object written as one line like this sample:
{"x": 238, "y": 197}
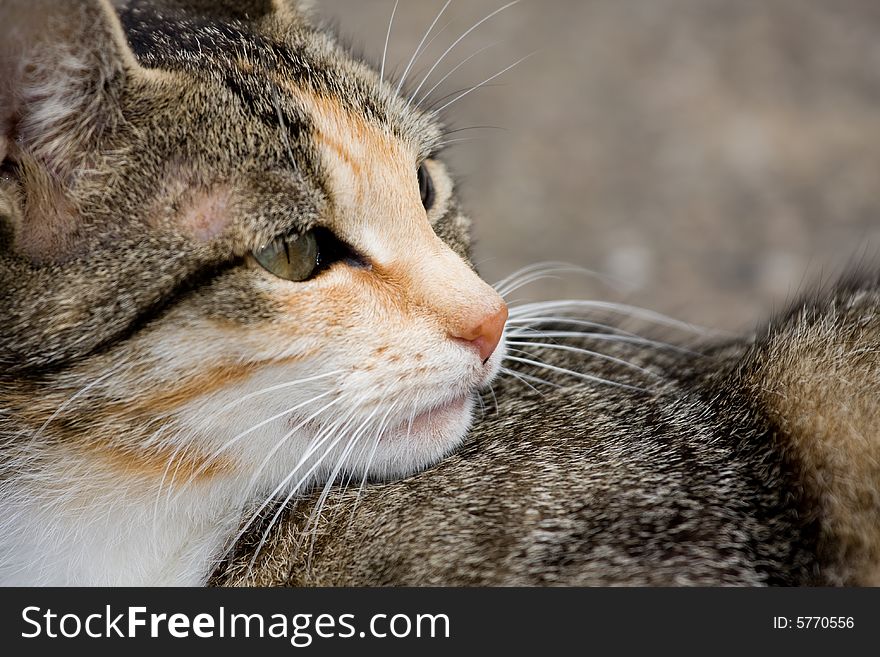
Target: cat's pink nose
{"x": 485, "y": 333}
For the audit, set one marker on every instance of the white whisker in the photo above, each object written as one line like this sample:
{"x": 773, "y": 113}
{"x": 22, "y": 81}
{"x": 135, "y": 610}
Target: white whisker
{"x": 418, "y": 50}
{"x": 534, "y": 272}
{"x": 296, "y": 487}
{"x": 454, "y": 44}
{"x": 281, "y": 386}
{"x": 516, "y": 324}
{"x": 529, "y": 333}
{"x": 436, "y": 102}
{"x": 309, "y": 450}
{"x": 387, "y": 38}
{"x": 73, "y": 398}
{"x": 268, "y": 499}
{"x": 578, "y": 375}
{"x": 460, "y": 140}
{"x": 528, "y": 269}
{"x": 550, "y": 272}
{"x": 472, "y": 127}
{"x": 572, "y": 305}
{"x": 212, "y": 458}
{"x": 482, "y": 84}
{"x": 428, "y": 93}
{"x": 526, "y": 377}
{"x": 587, "y": 352}
{"x": 494, "y": 397}
{"x": 366, "y": 474}
{"x": 316, "y": 512}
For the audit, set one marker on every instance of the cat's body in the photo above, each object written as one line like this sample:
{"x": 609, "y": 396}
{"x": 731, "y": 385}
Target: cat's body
{"x": 755, "y": 463}
{"x": 232, "y": 269}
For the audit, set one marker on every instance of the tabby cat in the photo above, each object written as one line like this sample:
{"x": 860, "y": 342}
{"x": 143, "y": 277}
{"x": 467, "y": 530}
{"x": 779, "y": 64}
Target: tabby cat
{"x": 233, "y": 271}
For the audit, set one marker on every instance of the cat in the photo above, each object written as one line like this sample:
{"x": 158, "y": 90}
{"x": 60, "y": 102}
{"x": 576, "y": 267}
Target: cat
{"x": 234, "y": 271}
{"x": 229, "y": 271}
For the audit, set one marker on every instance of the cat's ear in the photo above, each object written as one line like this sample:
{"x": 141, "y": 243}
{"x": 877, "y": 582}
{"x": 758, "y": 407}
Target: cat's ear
{"x": 63, "y": 65}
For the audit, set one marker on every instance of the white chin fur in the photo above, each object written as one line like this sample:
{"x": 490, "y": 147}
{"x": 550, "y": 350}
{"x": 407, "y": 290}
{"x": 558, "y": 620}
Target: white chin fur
{"x": 406, "y": 449}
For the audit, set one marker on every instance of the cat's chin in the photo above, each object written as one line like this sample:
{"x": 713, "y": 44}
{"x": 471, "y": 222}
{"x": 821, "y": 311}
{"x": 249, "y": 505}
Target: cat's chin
{"x": 435, "y": 422}
{"x": 431, "y": 435}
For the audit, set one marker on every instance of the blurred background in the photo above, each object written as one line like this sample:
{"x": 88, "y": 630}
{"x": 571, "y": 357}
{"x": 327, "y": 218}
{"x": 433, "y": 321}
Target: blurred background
{"x": 713, "y": 156}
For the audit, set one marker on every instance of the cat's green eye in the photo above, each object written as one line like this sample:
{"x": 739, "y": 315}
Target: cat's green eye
{"x": 293, "y": 257}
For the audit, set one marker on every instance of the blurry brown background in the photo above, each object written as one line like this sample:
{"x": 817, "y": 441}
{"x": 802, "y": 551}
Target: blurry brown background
{"x": 716, "y": 155}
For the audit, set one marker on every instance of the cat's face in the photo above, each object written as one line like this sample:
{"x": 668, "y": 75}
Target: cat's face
{"x": 224, "y": 240}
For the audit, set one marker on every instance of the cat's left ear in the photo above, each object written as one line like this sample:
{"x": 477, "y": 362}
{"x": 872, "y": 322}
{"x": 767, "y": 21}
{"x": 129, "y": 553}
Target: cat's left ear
{"x": 63, "y": 66}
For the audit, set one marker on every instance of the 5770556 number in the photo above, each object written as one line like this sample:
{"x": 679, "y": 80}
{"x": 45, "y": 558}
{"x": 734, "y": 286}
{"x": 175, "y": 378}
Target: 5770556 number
{"x": 813, "y": 623}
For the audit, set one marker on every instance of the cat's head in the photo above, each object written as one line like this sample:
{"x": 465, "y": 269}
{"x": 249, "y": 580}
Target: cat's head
{"x": 225, "y": 242}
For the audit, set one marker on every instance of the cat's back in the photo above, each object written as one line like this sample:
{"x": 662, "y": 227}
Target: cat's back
{"x": 817, "y": 379}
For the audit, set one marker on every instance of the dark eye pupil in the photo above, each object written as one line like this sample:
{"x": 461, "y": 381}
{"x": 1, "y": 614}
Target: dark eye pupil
{"x": 293, "y": 257}
{"x": 301, "y": 256}
{"x": 426, "y": 187}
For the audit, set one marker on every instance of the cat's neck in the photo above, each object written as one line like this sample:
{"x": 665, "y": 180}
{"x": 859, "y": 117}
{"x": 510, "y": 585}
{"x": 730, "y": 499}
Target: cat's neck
{"x": 64, "y": 527}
